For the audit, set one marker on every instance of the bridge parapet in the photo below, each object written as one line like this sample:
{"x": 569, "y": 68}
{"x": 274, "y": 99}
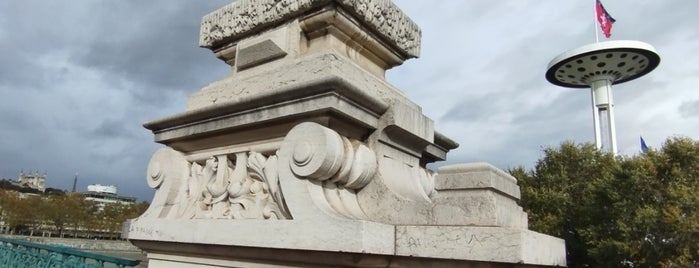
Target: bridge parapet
{"x": 19, "y": 253}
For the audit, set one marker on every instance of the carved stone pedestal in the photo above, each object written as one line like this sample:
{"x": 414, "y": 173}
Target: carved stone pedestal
{"x": 306, "y": 157}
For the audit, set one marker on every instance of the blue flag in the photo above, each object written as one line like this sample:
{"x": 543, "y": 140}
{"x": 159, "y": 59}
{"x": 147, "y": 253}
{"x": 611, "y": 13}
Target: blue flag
{"x": 644, "y": 147}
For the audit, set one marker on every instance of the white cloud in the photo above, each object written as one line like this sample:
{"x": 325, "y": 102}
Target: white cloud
{"x": 481, "y": 76}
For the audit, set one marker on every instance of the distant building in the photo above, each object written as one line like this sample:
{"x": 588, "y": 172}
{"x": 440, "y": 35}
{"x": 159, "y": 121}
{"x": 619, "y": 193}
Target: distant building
{"x": 32, "y": 180}
{"x": 106, "y": 194}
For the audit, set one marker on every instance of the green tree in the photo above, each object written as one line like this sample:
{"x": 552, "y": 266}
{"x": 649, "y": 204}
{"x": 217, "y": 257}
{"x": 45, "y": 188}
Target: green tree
{"x": 56, "y": 214}
{"x": 640, "y": 211}
{"x": 33, "y": 207}
{"x": 17, "y": 213}
{"x": 3, "y": 204}
{"x": 69, "y": 212}
{"x": 113, "y": 215}
{"x": 27, "y": 214}
{"x": 6, "y": 204}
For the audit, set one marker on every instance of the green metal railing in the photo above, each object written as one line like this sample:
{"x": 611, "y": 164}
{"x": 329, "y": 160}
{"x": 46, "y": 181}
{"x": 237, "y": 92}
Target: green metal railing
{"x": 20, "y": 254}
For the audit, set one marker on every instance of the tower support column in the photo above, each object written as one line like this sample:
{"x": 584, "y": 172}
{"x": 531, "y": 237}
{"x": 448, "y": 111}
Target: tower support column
{"x": 603, "y": 109}
{"x": 599, "y": 66}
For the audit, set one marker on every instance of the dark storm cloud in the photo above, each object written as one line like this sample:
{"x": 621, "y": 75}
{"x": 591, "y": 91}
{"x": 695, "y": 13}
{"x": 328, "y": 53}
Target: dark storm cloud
{"x": 79, "y": 78}
{"x": 15, "y": 120}
{"x": 29, "y": 31}
{"x": 13, "y": 123}
{"x": 153, "y": 44}
{"x": 114, "y": 129}
{"x": 148, "y": 47}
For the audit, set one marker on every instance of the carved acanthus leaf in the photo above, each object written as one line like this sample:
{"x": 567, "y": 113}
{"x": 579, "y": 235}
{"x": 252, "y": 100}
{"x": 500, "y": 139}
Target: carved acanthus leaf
{"x": 246, "y": 188}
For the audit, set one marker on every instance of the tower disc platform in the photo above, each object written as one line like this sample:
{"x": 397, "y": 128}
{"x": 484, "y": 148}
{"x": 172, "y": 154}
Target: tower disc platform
{"x": 598, "y": 66}
{"x": 620, "y": 61}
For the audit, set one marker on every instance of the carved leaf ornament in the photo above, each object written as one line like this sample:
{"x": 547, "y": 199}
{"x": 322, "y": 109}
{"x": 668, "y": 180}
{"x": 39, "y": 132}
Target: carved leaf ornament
{"x": 246, "y": 185}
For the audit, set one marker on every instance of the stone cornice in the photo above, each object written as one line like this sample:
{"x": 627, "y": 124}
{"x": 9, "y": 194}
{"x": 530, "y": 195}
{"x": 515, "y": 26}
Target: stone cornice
{"x": 247, "y": 17}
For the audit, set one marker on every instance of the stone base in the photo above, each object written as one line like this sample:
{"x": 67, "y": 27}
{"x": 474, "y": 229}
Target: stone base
{"x": 305, "y": 156}
{"x": 258, "y": 257}
{"x": 292, "y": 243}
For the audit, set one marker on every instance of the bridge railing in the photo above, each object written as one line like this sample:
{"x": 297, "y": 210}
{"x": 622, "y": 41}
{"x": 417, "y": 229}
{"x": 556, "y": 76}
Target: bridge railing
{"x": 21, "y": 254}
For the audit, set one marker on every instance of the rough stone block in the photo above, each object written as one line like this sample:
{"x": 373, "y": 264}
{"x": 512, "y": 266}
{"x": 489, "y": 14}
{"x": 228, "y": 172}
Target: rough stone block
{"x": 247, "y": 17}
{"x": 490, "y": 244}
{"x": 258, "y": 53}
{"x": 477, "y": 176}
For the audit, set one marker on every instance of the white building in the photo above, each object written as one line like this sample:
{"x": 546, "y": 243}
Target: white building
{"x": 106, "y": 194}
{"x": 32, "y": 180}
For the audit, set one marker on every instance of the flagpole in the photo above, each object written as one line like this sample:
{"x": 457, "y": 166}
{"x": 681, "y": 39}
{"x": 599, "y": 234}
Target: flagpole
{"x": 594, "y": 22}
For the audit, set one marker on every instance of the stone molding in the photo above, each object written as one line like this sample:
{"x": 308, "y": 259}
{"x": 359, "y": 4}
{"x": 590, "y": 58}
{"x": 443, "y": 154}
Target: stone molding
{"x": 315, "y": 167}
{"x": 215, "y": 189}
{"x": 246, "y": 184}
{"x": 244, "y": 18}
{"x": 478, "y": 176}
{"x": 341, "y": 25}
{"x": 340, "y": 243}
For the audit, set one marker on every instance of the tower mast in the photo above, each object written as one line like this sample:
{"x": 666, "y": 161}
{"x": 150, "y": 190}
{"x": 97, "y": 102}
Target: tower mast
{"x": 598, "y": 66}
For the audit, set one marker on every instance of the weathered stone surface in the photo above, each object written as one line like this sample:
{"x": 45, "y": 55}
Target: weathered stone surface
{"x": 491, "y": 244}
{"x": 259, "y": 53}
{"x": 246, "y": 17}
{"x": 306, "y": 150}
{"x": 318, "y": 234}
{"x": 187, "y": 255}
{"x": 305, "y": 74}
{"x": 477, "y": 176}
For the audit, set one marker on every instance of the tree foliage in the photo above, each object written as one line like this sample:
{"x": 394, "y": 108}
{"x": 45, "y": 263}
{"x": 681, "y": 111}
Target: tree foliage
{"x": 639, "y": 211}
{"x": 66, "y": 213}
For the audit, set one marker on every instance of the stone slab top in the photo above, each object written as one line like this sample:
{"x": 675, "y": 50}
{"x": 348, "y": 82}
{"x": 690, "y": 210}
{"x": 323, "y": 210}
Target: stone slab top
{"x": 476, "y": 167}
{"x": 459, "y": 243}
{"x": 247, "y": 17}
{"x": 477, "y": 176}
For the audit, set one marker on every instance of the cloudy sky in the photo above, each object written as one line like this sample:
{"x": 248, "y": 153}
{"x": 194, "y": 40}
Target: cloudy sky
{"x": 78, "y": 79}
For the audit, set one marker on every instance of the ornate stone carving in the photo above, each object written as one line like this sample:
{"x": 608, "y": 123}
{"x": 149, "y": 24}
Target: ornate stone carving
{"x": 258, "y": 194}
{"x": 246, "y": 185}
{"x": 244, "y": 17}
{"x": 217, "y": 188}
{"x": 353, "y": 187}
{"x": 321, "y": 154}
{"x": 336, "y": 167}
{"x": 409, "y": 182}
{"x": 248, "y": 189}
{"x": 388, "y": 20}
{"x": 165, "y": 173}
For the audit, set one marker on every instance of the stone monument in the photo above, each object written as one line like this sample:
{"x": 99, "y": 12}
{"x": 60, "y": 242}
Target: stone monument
{"x": 305, "y": 156}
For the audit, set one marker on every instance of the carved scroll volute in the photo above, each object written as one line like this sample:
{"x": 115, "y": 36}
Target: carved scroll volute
{"x": 167, "y": 169}
{"x": 318, "y": 156}
{"x": 331, "y": 168}
{"x": 359, "y": 166}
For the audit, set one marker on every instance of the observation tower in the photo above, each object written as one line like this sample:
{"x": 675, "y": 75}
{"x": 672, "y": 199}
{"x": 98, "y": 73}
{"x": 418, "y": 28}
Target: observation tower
{"x": 598, "y": 66}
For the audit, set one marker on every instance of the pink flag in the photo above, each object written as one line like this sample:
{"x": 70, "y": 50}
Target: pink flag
{"x": 604, "y": 19}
